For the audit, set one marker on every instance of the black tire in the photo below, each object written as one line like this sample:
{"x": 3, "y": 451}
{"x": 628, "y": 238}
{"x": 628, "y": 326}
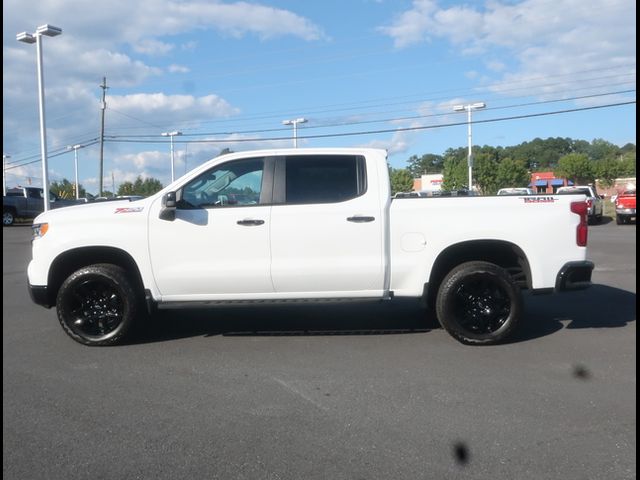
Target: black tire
{"x": 619, "y": 220}
{"x": 98, "y": 305}
{"x": 8, "y": 217}
{"x": 478, "y": 303}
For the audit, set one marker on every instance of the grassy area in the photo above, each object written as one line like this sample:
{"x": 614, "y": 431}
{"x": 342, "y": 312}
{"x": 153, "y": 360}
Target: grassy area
{"x": 609, "y": 209}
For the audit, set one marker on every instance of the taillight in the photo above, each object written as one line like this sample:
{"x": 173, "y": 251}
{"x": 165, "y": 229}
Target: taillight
{"x": 581, "y": 208}
{"x": 589, "y": 203}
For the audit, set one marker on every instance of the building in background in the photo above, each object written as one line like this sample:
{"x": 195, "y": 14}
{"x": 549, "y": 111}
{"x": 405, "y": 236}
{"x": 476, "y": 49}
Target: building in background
{"x": 546, "y": 182}
{"x": 428, "y": 183}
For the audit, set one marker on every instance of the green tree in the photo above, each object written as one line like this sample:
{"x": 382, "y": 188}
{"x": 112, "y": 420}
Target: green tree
{"x": 576, "y": 167}
{"x": 484, "y": 173}
{"x": 512, "y": 173}
{"x": 628, "y": 164}
{"x": 601, "y": 149}
{"x": 401, "y": 180}
{"x": 607, "y": 170}
{"x": 428, "y": 163}
{"x": 66, "y": 189}
{"x": 145, "y": 187}
{"x": 455, "y": 172}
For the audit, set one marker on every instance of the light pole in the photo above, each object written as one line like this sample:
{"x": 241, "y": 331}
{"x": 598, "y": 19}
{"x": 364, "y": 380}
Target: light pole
{"x": 469, "y": 107}
{"x": 49, "y": 31}
{"x": 75, "y": 164}
{"x": 295, "y": 128}
{"x": 4, "y": 174}
{"x": 171, "y": 135}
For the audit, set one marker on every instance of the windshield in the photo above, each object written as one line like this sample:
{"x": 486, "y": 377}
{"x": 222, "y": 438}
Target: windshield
{"x": 574, "y": 191}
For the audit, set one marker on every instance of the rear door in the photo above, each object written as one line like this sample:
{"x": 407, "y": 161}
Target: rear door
{"x": 326, "y": 228}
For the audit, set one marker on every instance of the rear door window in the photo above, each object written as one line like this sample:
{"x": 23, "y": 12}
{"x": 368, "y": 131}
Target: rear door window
{"x": 324, "y": 178}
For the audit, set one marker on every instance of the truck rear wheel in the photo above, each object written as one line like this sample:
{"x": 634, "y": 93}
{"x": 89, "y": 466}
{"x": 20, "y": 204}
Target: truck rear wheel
{"x": 478, "y": 303}
{"x": 97, "y": 305}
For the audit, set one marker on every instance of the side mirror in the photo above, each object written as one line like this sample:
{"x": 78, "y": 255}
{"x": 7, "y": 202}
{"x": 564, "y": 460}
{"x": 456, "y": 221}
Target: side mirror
{"x": 168, "y": 211}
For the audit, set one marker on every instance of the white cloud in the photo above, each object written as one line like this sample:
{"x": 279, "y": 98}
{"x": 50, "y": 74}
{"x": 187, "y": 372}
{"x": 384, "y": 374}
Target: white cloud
{"x": 104, "y": 40}
{"x": 144, "y": 21}
{"x": 495, "y": 65}
{"x": 178, "y": 107}
{"x": 150, "y": 46}
{"x": 173, "y": 68}
{"x": 396, "y": 144}
{"x": 541, "y": 38}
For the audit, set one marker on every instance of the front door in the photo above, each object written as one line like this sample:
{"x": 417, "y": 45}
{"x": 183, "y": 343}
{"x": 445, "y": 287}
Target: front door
{"x": 218, "y": 246}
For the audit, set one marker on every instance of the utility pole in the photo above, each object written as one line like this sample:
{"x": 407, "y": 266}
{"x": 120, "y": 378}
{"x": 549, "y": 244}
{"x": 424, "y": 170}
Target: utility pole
{"x": 113, "y": 184}
{"x": 103, "y": 107}
{"x": 4, "y": 174}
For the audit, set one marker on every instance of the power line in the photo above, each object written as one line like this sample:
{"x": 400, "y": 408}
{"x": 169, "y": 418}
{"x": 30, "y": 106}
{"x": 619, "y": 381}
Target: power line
{"x": 49, "y": 155}
{"x": 433, "y": 96}
{"x": 383, "y": 120}
{"x": 390, "y": 130}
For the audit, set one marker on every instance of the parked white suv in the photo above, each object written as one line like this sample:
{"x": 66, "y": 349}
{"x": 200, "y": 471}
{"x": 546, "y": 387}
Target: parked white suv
{"x": 595, "y": 202}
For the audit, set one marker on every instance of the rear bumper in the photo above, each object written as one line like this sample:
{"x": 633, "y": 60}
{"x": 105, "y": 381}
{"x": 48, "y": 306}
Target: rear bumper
{"x": 39, "y": 295}
{"x": 574, "y": 276}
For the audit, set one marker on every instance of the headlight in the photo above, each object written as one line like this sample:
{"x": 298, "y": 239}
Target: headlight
{"x": 38, "y": 230}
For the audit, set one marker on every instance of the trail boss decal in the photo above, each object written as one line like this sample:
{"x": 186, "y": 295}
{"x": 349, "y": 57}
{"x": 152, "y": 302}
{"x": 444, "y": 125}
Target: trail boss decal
{"x": 539, "y": 199}
{"x": 128, "y": 209}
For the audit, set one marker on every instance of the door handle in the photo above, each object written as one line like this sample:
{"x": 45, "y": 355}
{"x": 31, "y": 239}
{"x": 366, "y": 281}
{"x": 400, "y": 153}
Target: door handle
{"x": 360, "y": 219}
{"x": 250, "y": 223}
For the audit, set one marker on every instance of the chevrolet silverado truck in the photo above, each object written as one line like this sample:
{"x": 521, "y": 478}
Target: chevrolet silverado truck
{"x": 27, "y": 202}
{"x": 309, "y": 226}
{"x": 625, "y": 207}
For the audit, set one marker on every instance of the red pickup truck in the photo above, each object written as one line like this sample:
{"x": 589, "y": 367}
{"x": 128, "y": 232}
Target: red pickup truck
{"x": 626, "y": 207}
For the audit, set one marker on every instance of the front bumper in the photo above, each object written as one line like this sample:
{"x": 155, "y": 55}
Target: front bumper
{"x": 574, "y": 276}
{"x": 626, "y": 211}
{"x": 40, "y": 295}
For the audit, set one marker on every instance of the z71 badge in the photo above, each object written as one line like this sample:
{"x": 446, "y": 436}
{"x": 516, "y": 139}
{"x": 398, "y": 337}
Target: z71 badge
{"x": 128, "y": 209}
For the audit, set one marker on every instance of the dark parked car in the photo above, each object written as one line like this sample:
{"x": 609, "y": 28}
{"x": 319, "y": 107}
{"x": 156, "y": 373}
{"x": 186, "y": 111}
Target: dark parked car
{"x": 27, "y": 202}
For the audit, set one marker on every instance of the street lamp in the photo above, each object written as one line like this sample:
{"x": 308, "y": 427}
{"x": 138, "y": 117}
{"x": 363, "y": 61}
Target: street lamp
{"x": 4, "y": 174}
{"x": 171, "y": 135}
{"x": 75, "y": 164}
{"x": 49, "y": 31}
{"x": 469, "y": 107}
{"x": 295, "y": 128}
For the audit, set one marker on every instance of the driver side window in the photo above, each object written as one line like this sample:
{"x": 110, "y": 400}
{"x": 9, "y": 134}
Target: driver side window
{"x": 231, "y": 184}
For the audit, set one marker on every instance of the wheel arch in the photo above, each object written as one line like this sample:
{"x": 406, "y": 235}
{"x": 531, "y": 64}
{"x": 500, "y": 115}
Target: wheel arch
{"x": 68, "y": 262}
{"x": 500, "y": 252}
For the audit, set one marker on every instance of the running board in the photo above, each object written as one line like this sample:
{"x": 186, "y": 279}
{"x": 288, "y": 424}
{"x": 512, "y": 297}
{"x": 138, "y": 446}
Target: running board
{"x": 281, "y": 301}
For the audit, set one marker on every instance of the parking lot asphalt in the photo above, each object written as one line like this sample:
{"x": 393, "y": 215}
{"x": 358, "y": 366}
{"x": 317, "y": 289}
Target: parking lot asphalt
{"x": 355, "y": 392}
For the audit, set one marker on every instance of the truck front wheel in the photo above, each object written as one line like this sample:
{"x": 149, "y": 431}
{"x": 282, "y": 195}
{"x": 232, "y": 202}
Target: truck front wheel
{"x": 8, "y": 217}
{"x": 97, "y": 305}
{"x": 478, "y": 303}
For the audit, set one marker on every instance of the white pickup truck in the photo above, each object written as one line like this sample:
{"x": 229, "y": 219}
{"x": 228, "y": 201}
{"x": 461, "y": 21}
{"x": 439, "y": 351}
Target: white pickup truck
{"x": 595, "y": 202}
{"x": 308, "y": 225}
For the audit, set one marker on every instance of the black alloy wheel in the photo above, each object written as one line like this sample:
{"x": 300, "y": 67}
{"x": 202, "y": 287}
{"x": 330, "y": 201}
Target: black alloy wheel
{"x": 97, "y": 305}
{"x": 479, "y": 303}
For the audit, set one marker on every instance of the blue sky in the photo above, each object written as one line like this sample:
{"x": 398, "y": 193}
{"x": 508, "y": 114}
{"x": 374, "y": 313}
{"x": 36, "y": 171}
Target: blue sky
{"x": 226, "y": 74}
